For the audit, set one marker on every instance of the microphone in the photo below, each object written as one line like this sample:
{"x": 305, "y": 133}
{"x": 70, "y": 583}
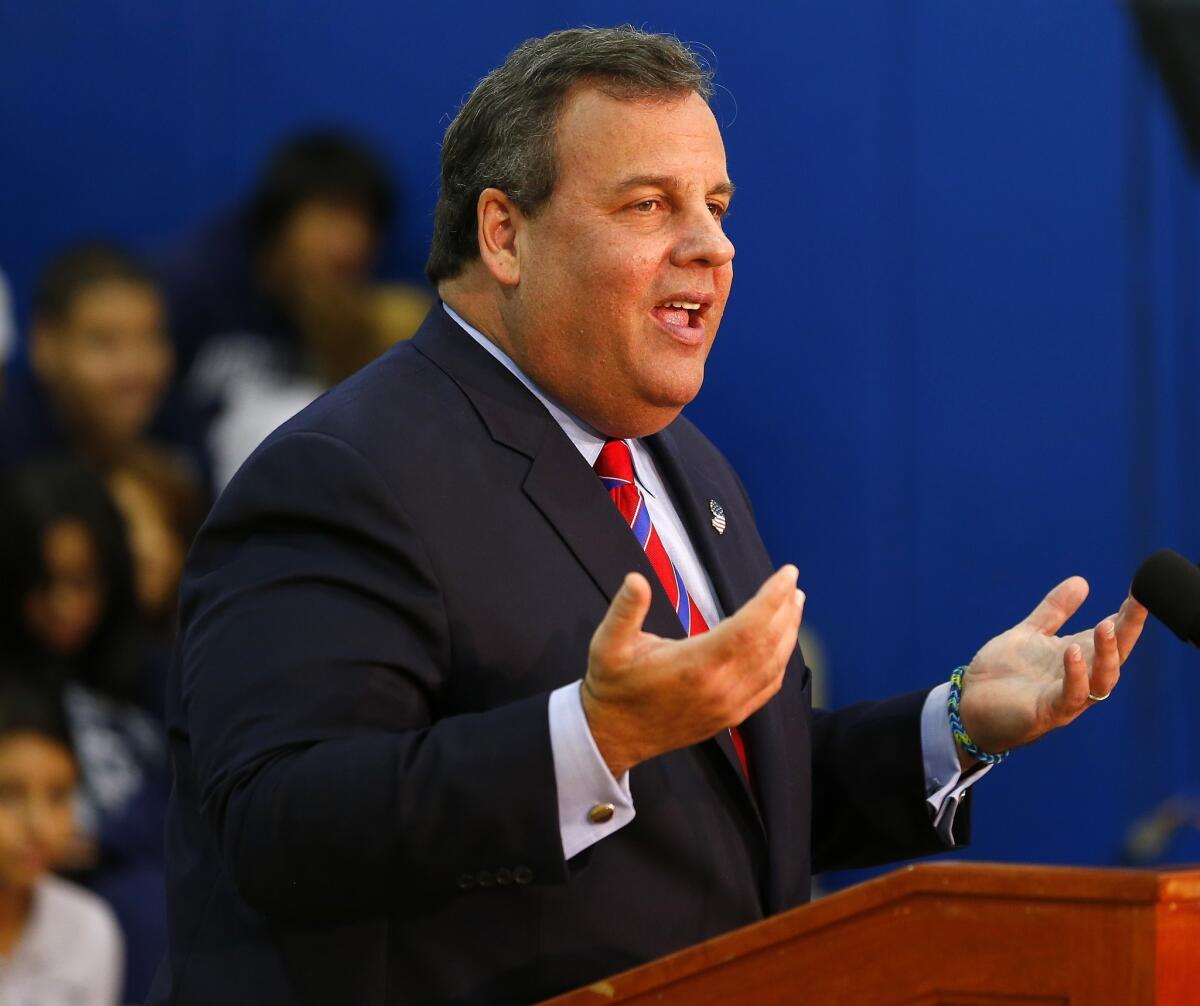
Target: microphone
{"x": 1169, "y": 585}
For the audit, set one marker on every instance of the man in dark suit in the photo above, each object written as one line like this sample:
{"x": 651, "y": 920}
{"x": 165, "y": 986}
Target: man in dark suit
{"x": 444, "y": 729}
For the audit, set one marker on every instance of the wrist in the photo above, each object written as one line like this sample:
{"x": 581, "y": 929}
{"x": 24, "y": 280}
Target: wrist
{"x": 605, "y": 734}
{"x": 969, "y": 752}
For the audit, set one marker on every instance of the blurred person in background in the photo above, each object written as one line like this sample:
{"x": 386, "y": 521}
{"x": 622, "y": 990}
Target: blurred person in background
{"x": 68, "y": 605}
{"x": 59, "y": 944}
{"x": 162, "y": 506}
{"x": 275, "y": 302}
{"x": 100, "y": 362}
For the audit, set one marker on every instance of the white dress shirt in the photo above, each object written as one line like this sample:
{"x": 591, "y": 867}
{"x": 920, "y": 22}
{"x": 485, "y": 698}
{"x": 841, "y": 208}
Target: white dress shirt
{"x": 581, "y": 775}
{"x": 70, "y": 953}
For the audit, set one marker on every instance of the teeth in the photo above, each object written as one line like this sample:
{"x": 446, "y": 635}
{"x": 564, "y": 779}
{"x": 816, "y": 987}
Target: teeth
{"x": 685, "y": 304}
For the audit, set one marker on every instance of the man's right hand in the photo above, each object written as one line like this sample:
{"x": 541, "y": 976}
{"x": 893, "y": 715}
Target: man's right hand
{"x": 644, "y": 695}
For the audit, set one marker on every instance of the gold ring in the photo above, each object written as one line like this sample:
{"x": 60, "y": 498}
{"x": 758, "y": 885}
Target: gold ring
{"x": 1098, "y": 698}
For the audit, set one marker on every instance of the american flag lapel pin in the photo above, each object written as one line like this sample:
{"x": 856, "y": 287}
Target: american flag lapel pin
{"x": 718, "y": 516}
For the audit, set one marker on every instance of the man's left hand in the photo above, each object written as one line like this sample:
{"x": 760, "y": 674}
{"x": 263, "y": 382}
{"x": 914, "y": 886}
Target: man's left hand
{"x": 1028, "y": 680}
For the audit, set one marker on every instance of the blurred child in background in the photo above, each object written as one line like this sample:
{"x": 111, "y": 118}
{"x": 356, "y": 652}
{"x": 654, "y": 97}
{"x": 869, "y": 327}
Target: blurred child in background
{"x": 67, "y": 604}
{"x": 59, "y": 944}
{"x": 275, "y": 301}
{"x": 100, "y": 364}
{"x": 162, "y": 507}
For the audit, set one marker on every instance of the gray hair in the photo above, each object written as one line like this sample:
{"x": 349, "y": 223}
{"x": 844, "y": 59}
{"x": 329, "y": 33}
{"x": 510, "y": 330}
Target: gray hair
{"x": 504, "y": 135}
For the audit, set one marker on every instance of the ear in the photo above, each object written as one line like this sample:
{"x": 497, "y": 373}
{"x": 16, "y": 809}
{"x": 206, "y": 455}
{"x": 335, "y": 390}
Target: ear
{"x": 499, "y": 221}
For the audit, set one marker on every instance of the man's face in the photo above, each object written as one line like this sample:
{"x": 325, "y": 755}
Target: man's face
{"x": 108, "y": 362}
{"x": 625, "y": 271}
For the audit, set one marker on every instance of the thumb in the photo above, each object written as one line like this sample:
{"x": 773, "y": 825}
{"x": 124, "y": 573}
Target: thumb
{"x": 623, "y": 621}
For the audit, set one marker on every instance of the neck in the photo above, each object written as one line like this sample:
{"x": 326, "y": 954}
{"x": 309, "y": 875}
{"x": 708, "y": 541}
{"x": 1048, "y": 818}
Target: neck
{"x": 99, "y": 449}
{"x": 15, "y": 906}
{"x": 475, "y": 302}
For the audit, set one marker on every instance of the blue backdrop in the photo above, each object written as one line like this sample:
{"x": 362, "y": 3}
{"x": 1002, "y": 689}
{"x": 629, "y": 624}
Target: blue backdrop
{"x": 959, "y": 360}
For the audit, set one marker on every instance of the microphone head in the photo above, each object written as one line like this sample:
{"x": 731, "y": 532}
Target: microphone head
{"x": 1169, "y": 585}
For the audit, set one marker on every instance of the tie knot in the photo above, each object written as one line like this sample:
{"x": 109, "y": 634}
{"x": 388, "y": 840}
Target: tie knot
{"x": 615, "y": 462}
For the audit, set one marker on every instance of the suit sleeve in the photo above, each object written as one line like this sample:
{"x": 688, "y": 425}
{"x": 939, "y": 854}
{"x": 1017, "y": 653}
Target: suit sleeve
{"x": 314, "y": 648}
{"x": 869, "y": 803}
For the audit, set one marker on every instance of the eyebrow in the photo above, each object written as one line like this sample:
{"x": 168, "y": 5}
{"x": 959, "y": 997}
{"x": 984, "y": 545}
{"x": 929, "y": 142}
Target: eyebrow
{"x": 669, "y": 182}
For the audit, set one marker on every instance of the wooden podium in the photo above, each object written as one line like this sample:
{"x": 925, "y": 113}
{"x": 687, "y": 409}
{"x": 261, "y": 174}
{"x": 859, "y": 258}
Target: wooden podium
{"x": 950, "y": 934}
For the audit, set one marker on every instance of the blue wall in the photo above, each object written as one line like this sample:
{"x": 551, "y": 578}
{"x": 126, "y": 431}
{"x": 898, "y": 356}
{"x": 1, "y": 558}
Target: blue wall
{"x": 958, "y": 363}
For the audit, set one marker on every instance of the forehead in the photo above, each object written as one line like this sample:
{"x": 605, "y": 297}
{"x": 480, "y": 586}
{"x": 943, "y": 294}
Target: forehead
{"x": 602, "y": 140}
{"x": 115, "y": 297}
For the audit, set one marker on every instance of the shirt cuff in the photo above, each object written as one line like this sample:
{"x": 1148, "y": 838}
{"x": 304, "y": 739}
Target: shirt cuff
{"x": 945, "y": 783}
{"x": 586, "y": 788}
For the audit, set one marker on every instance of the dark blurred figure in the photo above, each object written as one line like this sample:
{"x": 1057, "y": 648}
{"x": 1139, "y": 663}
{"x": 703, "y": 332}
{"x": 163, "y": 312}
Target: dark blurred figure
{"x": 100, "y": 362}
{"x": 59, "y": 944}
{"x": 162, "y": 507}
{"x": 273, "y": 303}
{"x": 8, "y": 327}
{"x": 68, "y": 605}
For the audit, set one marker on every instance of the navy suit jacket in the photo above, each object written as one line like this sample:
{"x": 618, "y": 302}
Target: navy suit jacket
{"x": 373, "y": 618}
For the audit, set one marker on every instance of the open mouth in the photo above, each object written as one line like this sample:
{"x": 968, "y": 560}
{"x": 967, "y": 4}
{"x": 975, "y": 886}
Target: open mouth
{"x": 682, "y": 313}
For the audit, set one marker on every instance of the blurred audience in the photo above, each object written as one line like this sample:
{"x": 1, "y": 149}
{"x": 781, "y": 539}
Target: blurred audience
{"x": 68, "y": 605}
{"x": 100, "y": 362}
{"x": 105, "y": 475}
{"x": 59, "y": 944}
{"x": 162, "y": 507}
{"x": 274, "y": 302}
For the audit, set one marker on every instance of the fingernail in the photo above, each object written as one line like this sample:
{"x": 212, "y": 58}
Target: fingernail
{"x": 1074, "y": 652}
{"x": 1110, "y": 629}
{"x": 799, "y": 599}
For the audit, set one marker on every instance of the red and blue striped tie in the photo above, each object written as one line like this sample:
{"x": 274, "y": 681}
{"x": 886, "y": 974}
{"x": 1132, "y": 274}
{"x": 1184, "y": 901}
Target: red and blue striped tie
{"x": 615, "y": 468}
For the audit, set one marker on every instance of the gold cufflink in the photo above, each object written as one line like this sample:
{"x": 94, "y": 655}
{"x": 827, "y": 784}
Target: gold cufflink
{"x": 601, "y": 813}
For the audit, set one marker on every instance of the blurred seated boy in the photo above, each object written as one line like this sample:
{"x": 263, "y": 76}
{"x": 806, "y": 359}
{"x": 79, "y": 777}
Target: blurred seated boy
{"x": 100, "y": 363}
{"x": 275, "y": 301}
{"x": 59, "y": 944}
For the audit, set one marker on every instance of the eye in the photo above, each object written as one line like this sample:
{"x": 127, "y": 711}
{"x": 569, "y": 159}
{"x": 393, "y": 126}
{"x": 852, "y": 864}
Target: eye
{"x": 647, "y": 206}
{"x": 718, "y": 210}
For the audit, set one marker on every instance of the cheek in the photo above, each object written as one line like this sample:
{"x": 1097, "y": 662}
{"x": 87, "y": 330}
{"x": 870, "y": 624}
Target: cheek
{"x": 10, "y": 827}
{"x": 59, "y": 830}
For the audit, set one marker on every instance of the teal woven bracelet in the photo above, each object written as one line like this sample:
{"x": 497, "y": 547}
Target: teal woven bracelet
{"x": 960, "y": 735}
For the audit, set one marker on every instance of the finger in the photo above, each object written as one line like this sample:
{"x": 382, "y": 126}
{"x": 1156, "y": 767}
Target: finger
{"x": 786, "y": 643}
{"x": 1058, "y": 606}
{"x": 1075, "y": 682}
{"x": 758, "y": 665}
{"x": 1130, "y": 621}
{"x": 753, "y": 621}
{"x": 771, "y": 683}
{"x": 1106, "y": 664}
{"x": 623, "y": 621}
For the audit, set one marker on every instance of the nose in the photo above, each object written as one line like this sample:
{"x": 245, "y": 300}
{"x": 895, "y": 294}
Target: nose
{"x": 703, "y": 241}
{"x": 39, "y": 819}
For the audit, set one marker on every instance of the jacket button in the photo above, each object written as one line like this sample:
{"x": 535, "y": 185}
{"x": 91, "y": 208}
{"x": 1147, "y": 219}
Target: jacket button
{"x": 504, "y": 876}
{"x": 466, "y": 882}
{"x": 601, "y": 813}
{"x": 485, "y": 878}
{"x": 523, "y": 875}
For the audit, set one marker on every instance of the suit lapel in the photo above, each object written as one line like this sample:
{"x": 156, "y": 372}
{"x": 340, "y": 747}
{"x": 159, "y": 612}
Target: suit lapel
{"x": 573, "y": 500}
{"x": 559, "y": 483}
